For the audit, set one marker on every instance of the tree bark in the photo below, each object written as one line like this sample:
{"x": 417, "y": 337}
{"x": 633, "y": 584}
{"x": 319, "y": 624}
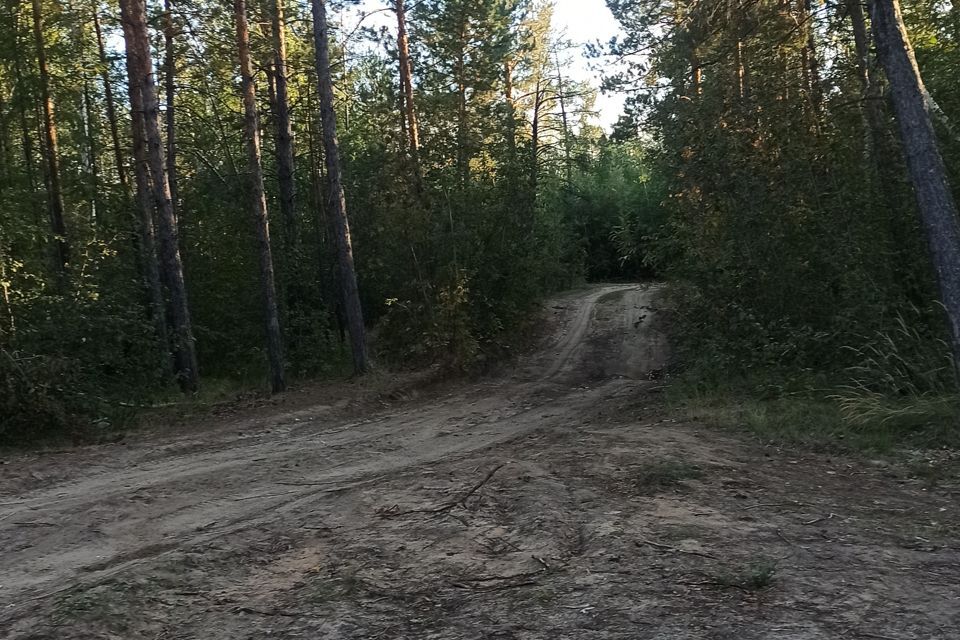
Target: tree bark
{"x": 938, "y": 210}
{"x": 8, "y": 324}
{"x": 21, "y": 99}
{"x": 51, "y": 150}
{"x": 338, "y": 206}
{"x": 258, "y": 199}
{"x": 93, "y": 164}
{"x": 142, "y": 80}
{"x": 170, "y": 89}
{"x": 463, "y": 133}
{"x": 111, "y": 106}
{"x": 286, "y": 175}
{"x": 564, "y": 121}
{"x": 406, "y": 80}
{"x": 538, "y": 100}
{"x": 145, "y": 227}
{"x": 812, "y": 58}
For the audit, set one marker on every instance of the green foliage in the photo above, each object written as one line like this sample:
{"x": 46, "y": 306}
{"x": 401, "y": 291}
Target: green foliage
{"x": 759, "y": 575}
{"x": 903, "y": 377}
{"x": 790, "y": 240}
{"x": 87, "y": 380}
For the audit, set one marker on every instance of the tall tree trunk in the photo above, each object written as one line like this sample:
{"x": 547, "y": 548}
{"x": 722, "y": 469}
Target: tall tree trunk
{"x": 145, "y": 206}
{"x": 138, "y": 48}
{"x": 406, "y": 80}
{"x": 170, "y": 89}
{"x": 696, "y": 74}
{"x": 338, "y": 205}
{"x": 286, "y": 175}
{"x": 463, "y": 133}
{"x": 51, "y": 150}
{"x": 93, "y": 165}
{"x": 20, "y": 96}
{"x": 8, "y": 325}
{"x": 810, "y": 61}
{"x": 564, "y": 121}
{"x": 511, "y": 108}
{"x": 118, "y": 154}
{"x": 938, "y": 210}
{"x": 6, "y": 151}
{"x": 258, "y": 199}
{"x": 872, "y": 92}
{"x": 538, "y": 101}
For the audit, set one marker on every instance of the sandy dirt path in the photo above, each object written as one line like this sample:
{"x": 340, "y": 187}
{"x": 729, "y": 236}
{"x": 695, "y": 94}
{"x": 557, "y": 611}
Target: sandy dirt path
{"x": 554, "y": 500}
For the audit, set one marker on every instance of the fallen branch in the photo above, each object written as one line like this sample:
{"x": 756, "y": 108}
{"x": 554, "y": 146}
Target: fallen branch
{"x": 392, "y": 512}
{"x": 666, "y": 547}
{"x": 261, "y": 612}
{"x": 820, "y": 519}
{"x": 774, "y": 504}
{"x": 496, "y": 587}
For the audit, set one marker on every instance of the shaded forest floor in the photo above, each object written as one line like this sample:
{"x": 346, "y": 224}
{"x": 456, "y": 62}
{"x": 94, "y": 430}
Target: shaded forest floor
{"x": 557, "y": 500}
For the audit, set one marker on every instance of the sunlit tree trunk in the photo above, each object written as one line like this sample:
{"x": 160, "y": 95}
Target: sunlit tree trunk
{"x": 8, "y": 325}
{"x": 51, "y": 150}
{"x": 251, "y": 131}
{"x": 463, "y": 132}
{"x": 338, "y": 205}
{"x": 142, "y": 81}
{"x": 938, "y": 210}
{"x": 406, "y": 80}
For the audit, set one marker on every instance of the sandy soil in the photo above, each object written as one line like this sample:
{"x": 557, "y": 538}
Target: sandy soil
{"x": 556, "y": 500}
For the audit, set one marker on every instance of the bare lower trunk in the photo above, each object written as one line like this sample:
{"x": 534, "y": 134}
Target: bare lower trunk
{"x": 108, "y": 98}
{"x": 8, "y": 325}
{"x": 51, "y": 150}
{"x": 138, "y": 48}
{"x": 251, "y": 130}
{"x": 938, "y": 210}
{"x": 338, "y": 206}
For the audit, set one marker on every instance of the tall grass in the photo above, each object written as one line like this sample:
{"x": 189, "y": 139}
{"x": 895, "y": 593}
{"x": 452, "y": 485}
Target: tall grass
{"x": 904, "y": 378}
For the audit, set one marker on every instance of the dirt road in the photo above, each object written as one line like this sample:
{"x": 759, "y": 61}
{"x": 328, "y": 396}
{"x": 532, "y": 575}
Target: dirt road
{"x": 556, "y": 500}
